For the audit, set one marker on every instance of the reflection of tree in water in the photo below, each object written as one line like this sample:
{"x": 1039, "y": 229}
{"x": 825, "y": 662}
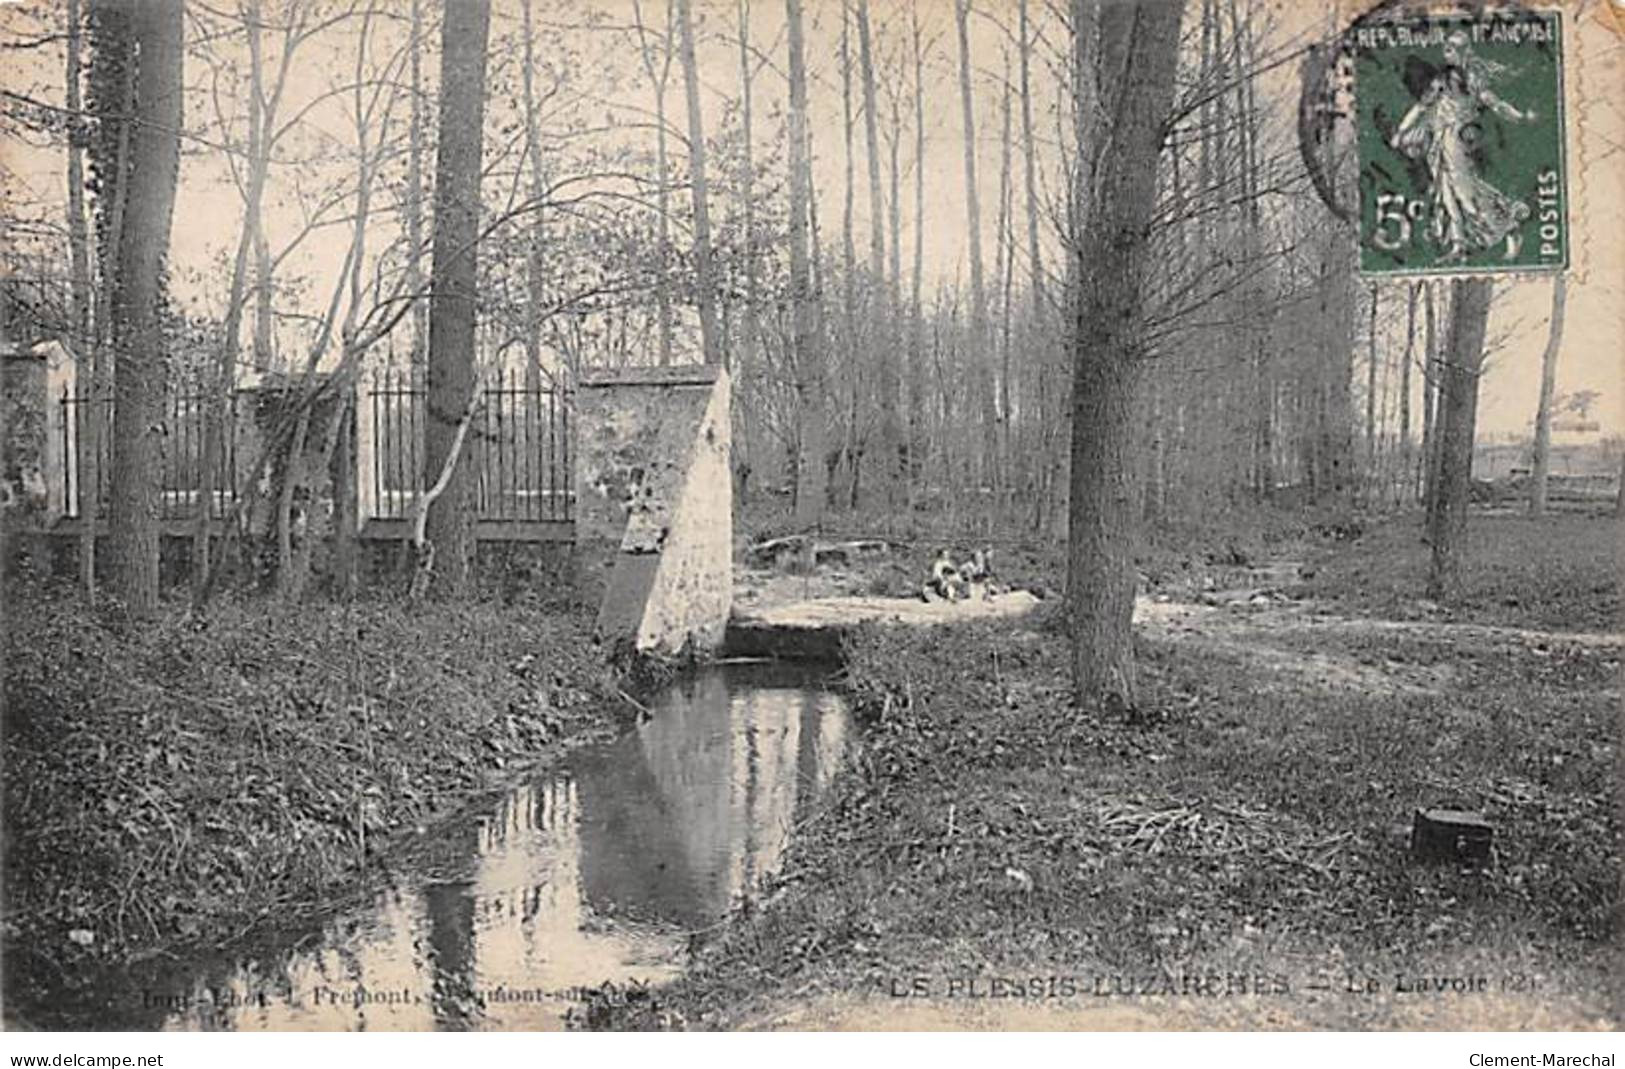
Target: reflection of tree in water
{"x": 314, "y": 989}
{"x": 667, "y": 825}
{"x": 692, "y": 811}
{"x": 451, "y": 954}
{"x": 534, "y": 937}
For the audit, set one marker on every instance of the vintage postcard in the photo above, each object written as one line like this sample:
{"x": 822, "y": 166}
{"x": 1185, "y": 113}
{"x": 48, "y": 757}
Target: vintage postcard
{"x": 811, "y": 515}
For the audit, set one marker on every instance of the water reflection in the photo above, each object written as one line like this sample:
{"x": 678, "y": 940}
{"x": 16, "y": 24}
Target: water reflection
{"x": 596, "y": 873}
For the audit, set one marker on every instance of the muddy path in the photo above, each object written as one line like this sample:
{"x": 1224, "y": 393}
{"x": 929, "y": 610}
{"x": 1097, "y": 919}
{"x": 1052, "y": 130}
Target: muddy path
{"x": 1307, "y": 643}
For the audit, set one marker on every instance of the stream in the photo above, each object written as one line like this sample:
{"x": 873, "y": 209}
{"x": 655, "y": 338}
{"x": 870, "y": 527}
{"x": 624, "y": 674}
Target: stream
{"x": 599, "y": 869}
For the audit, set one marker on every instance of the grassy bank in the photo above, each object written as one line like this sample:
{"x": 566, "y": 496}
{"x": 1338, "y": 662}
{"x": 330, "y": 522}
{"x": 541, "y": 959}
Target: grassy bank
{"x": 178, "y": 781}
{"x": 1249, "y": 824}
{"x": 1559, "y": 572}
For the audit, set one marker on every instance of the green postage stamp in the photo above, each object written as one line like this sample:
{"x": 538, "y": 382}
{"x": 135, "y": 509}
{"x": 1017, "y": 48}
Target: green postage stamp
{"x": 1460, "y": 138}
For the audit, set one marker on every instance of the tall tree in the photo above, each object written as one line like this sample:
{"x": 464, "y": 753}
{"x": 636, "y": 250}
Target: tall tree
{"x": 809, "y": 357}
{"x": 1004, "y": 259}
{"x": 705, "y": 281}
{"x": 1038, "y": 346}
{"x": 1133, "y": 73}
{"x": 659, "y": 74}
{"x": 262, "y": 108}
{"x": 1035, "y": 263}
{"x": 535, "y": 265}
{"x": 980, "y": 364}
{"x": 916, "y": 344}
{"x": 1430, "y": 394}
{"x": 139, "y": 372}
{"x": 79, "y": 280}
{"x": 750, "y": 326}
{"x": 454, "y": 281}
{"x": 1543, "y": 410}
{"x": 1457, "y": 425}
{"x": 412, "y": 205}
{"x": 880, "y": 312}
{"x": 110, "y": 82}
{"x": 1371, "y": 397}
{"x": 1333, "y": 475}
{"x": 851, "y": 447}
{"x": 1402, "y": 483}
{"x": 897, "y": 368}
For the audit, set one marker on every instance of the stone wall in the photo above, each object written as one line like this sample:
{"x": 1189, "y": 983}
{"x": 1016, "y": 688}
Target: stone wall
{"x": 34, "y": 462}
{"x": 654, "y": 505}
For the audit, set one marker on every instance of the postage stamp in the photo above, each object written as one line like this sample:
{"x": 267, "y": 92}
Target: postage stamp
{"x": 1460, "y": 136}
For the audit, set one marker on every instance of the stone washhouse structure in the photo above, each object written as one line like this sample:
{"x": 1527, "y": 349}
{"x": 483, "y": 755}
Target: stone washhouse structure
{"x": 654, "y": 506}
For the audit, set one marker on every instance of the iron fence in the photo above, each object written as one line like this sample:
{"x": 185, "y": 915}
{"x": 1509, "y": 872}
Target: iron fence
{"x": 179, "y": 443}
{"x": 518, "y": 444}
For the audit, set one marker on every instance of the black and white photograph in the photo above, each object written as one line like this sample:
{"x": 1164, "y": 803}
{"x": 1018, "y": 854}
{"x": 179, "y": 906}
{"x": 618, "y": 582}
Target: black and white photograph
{"x": 811, "y": 516}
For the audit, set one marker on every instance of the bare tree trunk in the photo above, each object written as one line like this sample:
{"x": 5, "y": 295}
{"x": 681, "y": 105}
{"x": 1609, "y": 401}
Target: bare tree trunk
{"x": 750, "y": 327}
{"x": 658, "y": 78}
{"x": 455, "y": 280}
{"x": 266, "y": 357}
{"x": 1040, "y": 350}
{"x": 138, "y": 327}
{"x": 1543, "y": 410}
{"x": 894, "y": 309}
{"x": 1035, "y": 263}
{"x": 981, "y": 368}
{"x": 809, "y": 360}
{"x": 1004, "y": 258}
{"x": 879, "y": 312}
{"x": 1334, "y": 447}
{"x": 705, "y": 281}
{"x": 916, "y": 349}
{"x": 345, "y": 521}
{"x": 115, "y": 197}
{"x": 849, "y": 265}
{"x": 413, "y": 207}
{"x": 1430, "y": 397}
{"x": 535, "y": 280}
{"x": 219, "y": 389}
{"x": 1134, "y": 68}
{"x": 1371, "y": 399}
{"x": 1458, "y": 415}
{"x": 1406, "y": 459}
{"x": 86, "y": 412}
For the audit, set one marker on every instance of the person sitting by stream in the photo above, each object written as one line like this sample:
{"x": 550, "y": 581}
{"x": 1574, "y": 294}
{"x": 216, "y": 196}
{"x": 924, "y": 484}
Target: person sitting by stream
{"x": 977, "y": 574}
{"x": 946, "y": 583}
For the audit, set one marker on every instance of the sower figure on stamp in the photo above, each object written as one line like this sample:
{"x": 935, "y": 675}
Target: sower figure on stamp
{"x": 1442, "y": 130}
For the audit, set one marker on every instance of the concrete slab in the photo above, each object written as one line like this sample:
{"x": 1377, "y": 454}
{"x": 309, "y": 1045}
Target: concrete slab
{"x": 813, "y": 629}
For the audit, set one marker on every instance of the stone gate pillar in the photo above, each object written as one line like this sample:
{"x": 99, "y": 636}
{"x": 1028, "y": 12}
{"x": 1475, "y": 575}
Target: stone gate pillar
{"x": 654, "y": 505}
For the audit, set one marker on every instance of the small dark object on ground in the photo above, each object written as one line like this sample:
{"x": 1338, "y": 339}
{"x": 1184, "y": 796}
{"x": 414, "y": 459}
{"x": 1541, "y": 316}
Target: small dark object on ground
{"x": 613, "y": 1008}
{"x": 1451, "y": 835}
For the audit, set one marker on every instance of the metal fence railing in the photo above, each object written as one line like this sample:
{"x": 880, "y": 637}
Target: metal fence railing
{"x": 518, "y": 445}
{"x": 179, "y": 443}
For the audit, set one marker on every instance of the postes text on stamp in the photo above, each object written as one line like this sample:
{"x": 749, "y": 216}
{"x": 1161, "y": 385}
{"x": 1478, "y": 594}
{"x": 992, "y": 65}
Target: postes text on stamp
{"x": 1460, "y": 139}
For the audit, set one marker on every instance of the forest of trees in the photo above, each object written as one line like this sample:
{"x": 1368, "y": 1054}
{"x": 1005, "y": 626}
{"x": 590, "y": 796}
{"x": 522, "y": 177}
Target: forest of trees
{"x": 1155, "y": 317}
